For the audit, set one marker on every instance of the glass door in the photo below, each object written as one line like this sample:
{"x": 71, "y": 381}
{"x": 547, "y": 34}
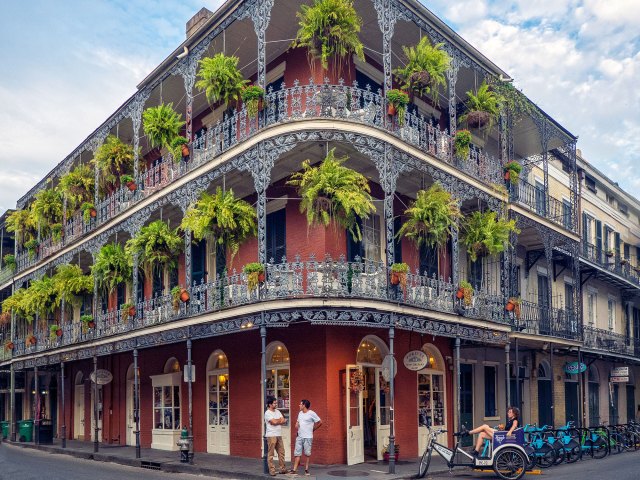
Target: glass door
{"x": 355, "y": 433}
{"x": 278, "y": 387}
{"x": 219, "y": 412}
{"x": 431, "y": 405}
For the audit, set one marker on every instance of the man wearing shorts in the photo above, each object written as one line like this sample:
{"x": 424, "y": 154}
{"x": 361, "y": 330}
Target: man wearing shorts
{"x": 308, "y": 422}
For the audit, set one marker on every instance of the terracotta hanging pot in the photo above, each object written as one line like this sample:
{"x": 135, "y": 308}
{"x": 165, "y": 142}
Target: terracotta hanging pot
{"x": 132, "y": 186}
{"x": 184, "y": 295}
{"x": 391, "y": 109}
{"x": 185, "y": 150}
{"x": 510, "y": 306}
{"x": 261, "y": 277}
{"x": 395, "y": 278}
{"x": 59, "y": 332}
{"x": 132, "y": 311}
{"x": 460, "y": 294}
{"x": 93, "y": 212}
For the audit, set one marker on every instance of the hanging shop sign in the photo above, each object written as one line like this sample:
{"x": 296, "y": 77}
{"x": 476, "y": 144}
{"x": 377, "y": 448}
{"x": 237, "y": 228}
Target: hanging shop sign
{"x": 619, "y": 380}
{"x": 574, "y": 368}
{"x": 620, "y": 372}
{"x": 415, "y": 360}
{"x": 101, "y": 377}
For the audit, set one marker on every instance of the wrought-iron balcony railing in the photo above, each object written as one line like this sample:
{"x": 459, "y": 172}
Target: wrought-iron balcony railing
{"x": 548, "y": 321}
{"x": 322, "y": 101}
{"x": 611, "y": 261}
{"x": 545, "y": 205}
{"x": 6, "y": 273}
{"x": 327, "y": 279}
{"x": 610, "y": 341}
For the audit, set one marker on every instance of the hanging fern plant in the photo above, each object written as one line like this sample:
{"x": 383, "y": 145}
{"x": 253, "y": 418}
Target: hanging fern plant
{"x": 483, "y": 107}
{"x": 220, "y": 78}
{"x": 112, "y": 267}
{"x": 77, "y": 186}
{"x": 486, "y": 234}
{"x": 329, "y": 29}
{"x": 22, "y": 225}
{"x": 47, "y": 208}
{"x": 156, "y": 245}
{"x": 71, "y": 283}
{"x": 161, "y": 125}
{"x": 16, "y": 302}
{"x": 425, "y": 70}
{"x": 113, "y": 158}
{"x": 333, "y": 194}
{"x": 230, "y": 220}
{"x": 431, "y": 217}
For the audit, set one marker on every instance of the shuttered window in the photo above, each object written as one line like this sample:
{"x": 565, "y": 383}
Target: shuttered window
{"x": 276, "y": 236}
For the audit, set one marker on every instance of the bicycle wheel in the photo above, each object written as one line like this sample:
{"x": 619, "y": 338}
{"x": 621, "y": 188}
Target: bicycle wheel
{"x": 545, "y": 456}
{"x": 572, "y": 451}
{"x": 510, "y": 464}
{"x": 531, "y": 454}
{"x": 598, "y": 448}
{"x": 616, "y": 443}
{"x": 560, "y": 452}
{"x": 424, "y": 463}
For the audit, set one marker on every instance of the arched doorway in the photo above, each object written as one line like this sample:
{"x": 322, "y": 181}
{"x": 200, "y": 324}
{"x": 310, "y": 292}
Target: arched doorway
{"x": 368, "y": 402}
{"x": 571, "y": 398}
{"x": 545, "y": 416}
{"x": 432, "y": 405}
{"x": 218, "y": 402}
{"x": 167, "y": 418}
{"x": 78, "y": 407}
{"x": 279, "y": 386}
{"x": 594, "y": 396}
{"x": 631, "y": 397}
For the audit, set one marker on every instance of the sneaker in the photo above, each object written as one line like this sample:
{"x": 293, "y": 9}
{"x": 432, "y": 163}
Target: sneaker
{"x": 475, "y": 453}
{"x": 307, "y": 474}
{"x": 292, "y": 472}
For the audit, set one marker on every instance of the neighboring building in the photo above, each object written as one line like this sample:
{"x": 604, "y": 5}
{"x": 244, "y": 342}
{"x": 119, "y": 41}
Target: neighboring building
{"x": 325, "y": 315}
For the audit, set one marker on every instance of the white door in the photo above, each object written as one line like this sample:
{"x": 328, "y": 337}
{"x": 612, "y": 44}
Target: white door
{"x": 218, "y": 398}
{"x": 78, "y": 413}
{"x": 383, "y": 412}
{"x": 355, "y": 433}
{"x": 131, "y": 421}
{"x": 93, "y": 422}
{"x": 278, "y": 385}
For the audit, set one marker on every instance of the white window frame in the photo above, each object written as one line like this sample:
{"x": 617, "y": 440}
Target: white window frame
{"x": 161, "y": 381}
{"x": 592, "y": 306}
{"x": 495, "y": 389}
{"x": 611, "y": 306}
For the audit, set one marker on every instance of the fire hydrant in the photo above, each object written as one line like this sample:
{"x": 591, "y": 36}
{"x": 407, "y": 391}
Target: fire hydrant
{"x": 183, "y": 445}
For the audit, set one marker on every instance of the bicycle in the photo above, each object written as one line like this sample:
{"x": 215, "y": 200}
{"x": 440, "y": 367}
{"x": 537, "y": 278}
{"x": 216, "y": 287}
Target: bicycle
{"x": 505, "y": 455}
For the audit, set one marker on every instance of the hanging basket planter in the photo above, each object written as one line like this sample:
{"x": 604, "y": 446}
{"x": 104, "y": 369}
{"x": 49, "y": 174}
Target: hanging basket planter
{"x": 184, "y": 295}
{"x": 132, "y": 186}
{"x": 478, "y": 119}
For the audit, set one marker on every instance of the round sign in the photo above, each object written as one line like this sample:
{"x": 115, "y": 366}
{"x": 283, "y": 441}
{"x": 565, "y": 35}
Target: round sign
{"x": 574, "y": 368}
{"x": 103, "y": 377}
{"x": 386, "y": 367}
{"x": 416, "y": 360}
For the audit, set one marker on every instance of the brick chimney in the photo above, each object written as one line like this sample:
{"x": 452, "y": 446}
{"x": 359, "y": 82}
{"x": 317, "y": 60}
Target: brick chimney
{"x": 197, "y": 21}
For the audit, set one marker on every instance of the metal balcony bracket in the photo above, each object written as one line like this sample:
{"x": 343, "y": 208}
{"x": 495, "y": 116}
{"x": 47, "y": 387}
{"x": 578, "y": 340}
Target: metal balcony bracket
{"x": 585, "y": 279}
{"x": 531, "y": 258}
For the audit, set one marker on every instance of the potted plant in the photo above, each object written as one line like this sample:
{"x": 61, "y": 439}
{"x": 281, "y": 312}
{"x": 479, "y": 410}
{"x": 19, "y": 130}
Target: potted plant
{"x": 57, "y": 231}
{"x": 399, "y": 274}
{"x": 512, "y": 172}
{"x": 155, "y": 244}
{"x": 513, "y": 305}
{"x": 252, "y": 96}
{"x": 9, "y": 345}
{"x": 430, "y": 218}
{"x": 5, "y": 318}
{"x": 220, "y": 78}
{"x": 424, "y": 72}
{"x": 30, "y": 340}
{"x": 129, "y": 182}
{"x": 161, "y": 125}
{"x": 398, "y": 101}
{"x": 89, "y": 211}
{"x": 462, "y": 144}
{"x": 70, "y": 284}
{"x": 483, "y": 107}
{"x": 180, "y": 148}
{"x": 46, "y": 210}
{"x": 609, "y": 253}
{"x": 54, "y": 332}
{"x": 113, "y": 159}
{"x": 21, "y": 223}
{"x": 332, "y": 194}
{"x": 32, "y": 247}
{"x": 385, "y": 452}
{"x": 77, "y": 186}
{"x": 112, "y": 267}
{"x": 128, "y": 311}
{"x": 486, "y": 234}
{"x": 465, "y": 293}
{"x": 87, "y": 322}
{"x": 255, "y": 274}
{"x": 179, "y": 294}
{"x": 10, "y": 261}
{"x": 329, "y": 31}
{"x": 228, "y": 219}
{"x": 624, "y": 261}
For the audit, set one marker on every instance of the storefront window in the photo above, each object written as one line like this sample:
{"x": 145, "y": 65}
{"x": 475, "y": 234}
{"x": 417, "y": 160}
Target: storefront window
{"x": 431, "y": 391}
{"x": 278, "y": 381}
{"x": 166, "y": 407}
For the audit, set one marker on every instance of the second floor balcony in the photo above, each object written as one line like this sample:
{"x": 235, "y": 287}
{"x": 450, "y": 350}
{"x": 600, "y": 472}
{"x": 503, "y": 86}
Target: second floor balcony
{"x": 610, "y": 341}
{"x": 611, "y": 262}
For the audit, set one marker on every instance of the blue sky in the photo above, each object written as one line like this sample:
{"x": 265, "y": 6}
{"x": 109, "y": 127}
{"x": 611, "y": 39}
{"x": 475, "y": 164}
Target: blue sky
{"x": 69, "y": 64}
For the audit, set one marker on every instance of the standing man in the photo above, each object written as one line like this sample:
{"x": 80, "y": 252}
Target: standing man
{"x": 274, "y": 421}
{"x": 307, "y": 423}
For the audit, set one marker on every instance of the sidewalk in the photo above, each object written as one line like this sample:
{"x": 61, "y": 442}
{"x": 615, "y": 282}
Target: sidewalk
{"x": 226, "y": 466}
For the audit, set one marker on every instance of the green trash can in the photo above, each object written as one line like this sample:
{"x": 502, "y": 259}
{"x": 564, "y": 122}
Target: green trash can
{"x": 25, "y": 430}
{"x": 5, "y": 430}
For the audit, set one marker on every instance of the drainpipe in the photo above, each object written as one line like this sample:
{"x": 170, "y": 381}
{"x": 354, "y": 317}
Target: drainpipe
{"x": 518, "y": 404}
{"x": 36, "y": 421}
{"x": 12, "y": 419}
{"x": 263, "y": 375}
{"x": 392, "y": 438}
{"x": 507, "y": 375}
{"x": 136, "y": 401}
{"x": 189, "y": 383}
{"x": 63, "y": 428}
{"x": 96, "y": 443}
{"x": 553, "y": 410}
{"x": 581, "y": 421}
{"x": 458, "y": 386}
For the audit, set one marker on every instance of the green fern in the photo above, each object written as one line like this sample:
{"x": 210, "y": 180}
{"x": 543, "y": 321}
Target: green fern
{"x": 331, "y": 193}
{"x": 113, "y": 158}
{"x": 486, "y": 234}
{"x": 21, "y": 223}
{"x": 46, "y": 209}
{"x": 161, "y": 125}
{"x": 230, "y": 220}
{"x": 431, "y": 217}
{"x": 77, "y": 186}
{"x": 483, "y": 100}
{"x": 426, "y": 67}
{"x": 156, "y": 245}
{"x": 329, "y": 29}
{"x": 220, "y": 78}
{"x": 112, "y": 267}
{"x": 40, "y": 298}
{"x": 16, "y": 302}
{"x": 70, "y": 283}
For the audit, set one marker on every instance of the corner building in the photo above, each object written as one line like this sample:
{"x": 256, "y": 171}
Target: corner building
{"x": 326, "y": 315}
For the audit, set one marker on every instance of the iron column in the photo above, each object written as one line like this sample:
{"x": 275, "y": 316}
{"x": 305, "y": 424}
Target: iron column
{"x": 95, "y": 404}
{"x": 392, "y": 438}
{"x": 64, "y": 424}
{"x": 136, "y": 400}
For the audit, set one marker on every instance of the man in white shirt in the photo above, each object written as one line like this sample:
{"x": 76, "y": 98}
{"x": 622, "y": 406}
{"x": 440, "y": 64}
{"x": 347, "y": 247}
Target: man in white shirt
{"x": 274, "y": 421}
{"x": 307, "y": 423}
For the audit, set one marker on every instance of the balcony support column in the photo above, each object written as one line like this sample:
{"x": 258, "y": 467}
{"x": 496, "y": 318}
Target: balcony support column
{"x": 574, "y": 197}
{"x": 387, "y": 17}
{"x": 63, "y": 427}
{"x": 136, "y": 400}
{"x": 261, "y": 16}
{"x": 455, "y": 255}
{"x": 96, "y": 440}
{"x": 263, "y": 378}
{"x": 12, "y": 397}
{"x": 545, "y": 136}
{"x": 577, "y": 291}
{"x": 135, "y": 113}
{"x": 507, "y": 374}
{"x": 452, "y": 77}
{"x": 392, "y": 373}
{"x": 94, "y": 302}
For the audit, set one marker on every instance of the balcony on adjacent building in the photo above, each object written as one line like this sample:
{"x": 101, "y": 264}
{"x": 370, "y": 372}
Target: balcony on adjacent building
{"x": 611, "y": 261}
{"x": 610, "y": 341}
{"x": 535, "y": 199}
{"x": 546, "y": 321}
